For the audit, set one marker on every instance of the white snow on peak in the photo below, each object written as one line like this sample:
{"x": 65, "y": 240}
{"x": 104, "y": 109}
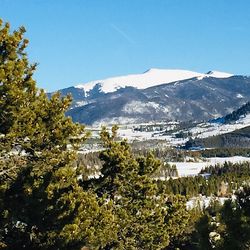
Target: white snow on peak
{"x": 218, "y": 74}
{"x": 149, "y": 78}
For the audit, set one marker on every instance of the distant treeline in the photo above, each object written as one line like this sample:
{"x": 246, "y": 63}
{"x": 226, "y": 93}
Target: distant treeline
{"x": 219, "y": 181}
{"x": 173, "y": 154}
{"x": 170, "y": 154}
{"x": 225, "y": 152}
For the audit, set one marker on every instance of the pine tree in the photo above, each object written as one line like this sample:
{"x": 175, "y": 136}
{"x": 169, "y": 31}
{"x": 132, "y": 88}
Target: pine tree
{"x": 146, "y": 217}
{"x": 42, "y": 205}
{"x": 43, "y": 202}
{"x": 235, "y": 217}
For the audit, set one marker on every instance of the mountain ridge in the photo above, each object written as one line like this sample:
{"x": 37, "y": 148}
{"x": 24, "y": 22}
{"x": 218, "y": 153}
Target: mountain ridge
{"x": 198, "y": 98}
{"x": 192, "y": 99}
{"x": 151, "y": 77}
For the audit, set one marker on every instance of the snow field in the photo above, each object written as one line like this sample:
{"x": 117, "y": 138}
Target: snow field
{"x": 193, "y": 168}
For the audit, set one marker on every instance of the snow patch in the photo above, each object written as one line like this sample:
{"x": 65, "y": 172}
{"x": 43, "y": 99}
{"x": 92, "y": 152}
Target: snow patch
{"x": 218, "y": 74}
{"x": 239, "y": 96}
{"x": 137, "y": 107}
{"x": 81, "y": 103}
{"x": 204, "y": 130}
{"x": 115, "y": 120}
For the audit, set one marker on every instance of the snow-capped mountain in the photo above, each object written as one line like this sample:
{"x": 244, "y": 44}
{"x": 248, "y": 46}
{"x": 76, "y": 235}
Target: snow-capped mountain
{"x": 149, "y": 78}
{"x": 158, "y": 95}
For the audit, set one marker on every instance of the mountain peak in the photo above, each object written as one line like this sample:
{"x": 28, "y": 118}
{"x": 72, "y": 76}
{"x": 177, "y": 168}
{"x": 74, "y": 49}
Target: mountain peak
{"x": 150, "y": 78}
{"x": 218, "y": 74}
{"x": 150, "y": 70}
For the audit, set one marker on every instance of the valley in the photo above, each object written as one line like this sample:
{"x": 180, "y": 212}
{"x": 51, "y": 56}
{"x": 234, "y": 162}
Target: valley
{"x": 185, "y": 148}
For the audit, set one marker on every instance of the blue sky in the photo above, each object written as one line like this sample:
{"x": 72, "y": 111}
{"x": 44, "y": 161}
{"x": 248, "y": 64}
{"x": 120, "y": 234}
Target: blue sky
{"x": 75, "y": 41}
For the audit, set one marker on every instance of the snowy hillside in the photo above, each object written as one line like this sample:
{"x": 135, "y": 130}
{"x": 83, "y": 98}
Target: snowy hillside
{"x": 150, "y": 78}
{"x": 204, "y": 130}
{"x": 158, "y": 95}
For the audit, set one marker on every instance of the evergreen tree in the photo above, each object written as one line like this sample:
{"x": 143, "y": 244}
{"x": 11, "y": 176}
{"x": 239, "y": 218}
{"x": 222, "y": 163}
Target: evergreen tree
{"x": 146, "y": 217}
{"x": 236, "y": 219}
{"x": 42, "y": 205}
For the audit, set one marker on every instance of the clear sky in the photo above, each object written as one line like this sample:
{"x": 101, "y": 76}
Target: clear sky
{"x": 75, "y": 41}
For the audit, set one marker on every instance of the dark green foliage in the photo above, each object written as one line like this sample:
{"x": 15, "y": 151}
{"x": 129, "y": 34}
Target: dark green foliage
{"x": 146, "y": 217}
{"x": 225, "y": 152}
{"x": 234, "y": 175}
{"x": 42, "y": 205}
{"x": 235, "y": 215}
{"x": 224, "y": 227}
{"x": 202, "y": 236}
